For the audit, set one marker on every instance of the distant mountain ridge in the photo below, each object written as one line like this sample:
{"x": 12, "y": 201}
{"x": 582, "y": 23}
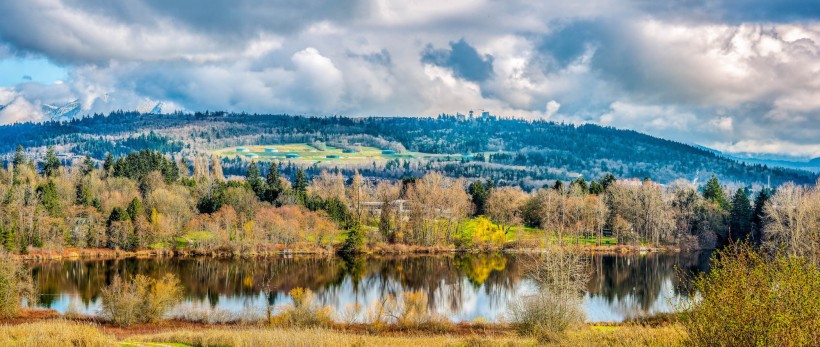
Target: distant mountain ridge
{"x": 515, "y": 151}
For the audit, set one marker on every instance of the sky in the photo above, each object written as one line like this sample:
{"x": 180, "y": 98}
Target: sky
{"x": 740, "y": 76}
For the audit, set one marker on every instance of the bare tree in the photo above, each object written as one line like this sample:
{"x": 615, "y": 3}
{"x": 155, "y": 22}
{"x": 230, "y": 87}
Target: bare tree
{"x": 504, "y": 206}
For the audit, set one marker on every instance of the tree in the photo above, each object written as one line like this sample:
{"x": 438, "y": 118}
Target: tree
{"x": 793, "y": 221}
{"x": 139, "y": 164}
{"x": 255, "y": 181}
{"x": 479, "y": 193}
{"x": 759, "y": 215}
{"x": 274, "y": 182}
{"x": 216, "y": 168}
{"x": 19, "y": 158}
{"x": 183, "y": 168}
{"x": 581, "y": 183}
{"x": 135, "y": 209}
{"x": 50, "y": 198}
{"x": 608, "y": 180}
{"x": 596, "y": 188}
{"x": 88, "y": 166}
{"x": 504, "y": 207}
{"x": 51, "y": 167}
{"x": 300, "y": 184}
{"x": 740, "y": 218}
{"x": 108, "y": 164}
{"x": 714, "y": 193}
{"x": 85, "y": 196}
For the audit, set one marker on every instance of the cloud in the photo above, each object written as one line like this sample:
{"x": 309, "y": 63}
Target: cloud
{"x": 698, "y": 71}
{"x": 462, "y": 58}
{"x": 769, "y": 147}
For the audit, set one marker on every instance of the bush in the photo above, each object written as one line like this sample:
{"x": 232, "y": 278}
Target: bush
{"x": 304, "y": 312}
{"x": 751, "y": 299}
{"x": 16, "y": 285}
{"x": 143, "y": 300}
{"x": 561, "y": 277}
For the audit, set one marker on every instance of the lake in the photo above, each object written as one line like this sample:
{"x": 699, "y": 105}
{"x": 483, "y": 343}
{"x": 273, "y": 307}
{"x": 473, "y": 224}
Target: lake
{"x": 462, "y": 287}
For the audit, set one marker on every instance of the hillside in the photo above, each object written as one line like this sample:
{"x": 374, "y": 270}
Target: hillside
{"x": 527, "y": 153}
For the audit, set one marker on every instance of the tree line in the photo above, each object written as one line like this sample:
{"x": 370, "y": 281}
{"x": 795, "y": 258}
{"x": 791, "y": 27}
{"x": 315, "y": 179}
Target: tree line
{"x": 149, "y": 200}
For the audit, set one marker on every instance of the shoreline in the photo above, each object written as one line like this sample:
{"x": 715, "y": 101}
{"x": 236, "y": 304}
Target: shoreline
{"x": 105, "y": 254}
{"x": 475, "y": 329}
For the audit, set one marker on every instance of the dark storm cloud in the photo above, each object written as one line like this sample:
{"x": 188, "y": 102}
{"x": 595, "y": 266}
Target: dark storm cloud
{"x": 462, "y": 58}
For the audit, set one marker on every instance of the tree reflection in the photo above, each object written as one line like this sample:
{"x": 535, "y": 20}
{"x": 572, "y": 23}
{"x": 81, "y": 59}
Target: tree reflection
{"x": 449, "y": 281}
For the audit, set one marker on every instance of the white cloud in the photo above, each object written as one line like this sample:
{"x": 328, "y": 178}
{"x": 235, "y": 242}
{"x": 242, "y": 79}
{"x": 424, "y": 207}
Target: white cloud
{"x": 769, "y": 147}
{"x": 668, "y": 73}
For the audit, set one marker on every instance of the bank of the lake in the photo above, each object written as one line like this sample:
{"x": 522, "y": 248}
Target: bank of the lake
{"x": 46, "y": 328}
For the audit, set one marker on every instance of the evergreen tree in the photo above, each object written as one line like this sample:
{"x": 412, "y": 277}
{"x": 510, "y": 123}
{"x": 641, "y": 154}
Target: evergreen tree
{"x": 118, "y": 214}
{"x": 51, "y": 167}
{"x": 135, "y": 209}
{"x": 50, "y": 198}
{"x": 479, "y": 193}
{"x": 300, "y": 184}
{"x": 274, "y": 182}
{"x": 714, "y": 193}
{"x": 559, "y": 185}
{"x": 88, "y": 165}
{"x": 254, "y": 178}
{"x": 108, "y": 164}
{"x": 581, "y": 183}
{"x": 84, "y": 195}
{"x": 608, "y": 180}
{"x": 7, "y": 238}
{"x": 19, "y": 158}
{"x": 596, "y": 188}
{"x": 740, "y": 220}
{"x": 759, "y": 215}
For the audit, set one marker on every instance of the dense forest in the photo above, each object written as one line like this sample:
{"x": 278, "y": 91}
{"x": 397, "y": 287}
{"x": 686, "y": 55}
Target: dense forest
{"x": 529, "y": 154}
{"x": 147, "y": 200}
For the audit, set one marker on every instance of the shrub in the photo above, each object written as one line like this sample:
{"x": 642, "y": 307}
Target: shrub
{"x": 16, "y": 285}
{"x": 143, "y": 300}
{"x": 560, "y": 277}
{"x": 751, "y": 299}
{"x": 304, "y": 312}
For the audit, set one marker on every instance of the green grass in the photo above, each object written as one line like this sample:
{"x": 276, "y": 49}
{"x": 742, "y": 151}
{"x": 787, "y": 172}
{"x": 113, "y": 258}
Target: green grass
{"x": 528, "y": 233}
{"x": 309, "y": 153}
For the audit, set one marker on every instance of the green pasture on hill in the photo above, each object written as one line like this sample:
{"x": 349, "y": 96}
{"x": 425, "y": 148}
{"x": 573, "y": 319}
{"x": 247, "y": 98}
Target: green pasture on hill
{"x": 305, "y": 152}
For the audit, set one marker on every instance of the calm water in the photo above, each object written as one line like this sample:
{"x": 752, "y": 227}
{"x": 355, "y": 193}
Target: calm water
{"x": 461, "y": 287}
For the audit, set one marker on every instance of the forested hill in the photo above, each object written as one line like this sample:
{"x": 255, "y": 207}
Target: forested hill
{"x": 510, "y": 150}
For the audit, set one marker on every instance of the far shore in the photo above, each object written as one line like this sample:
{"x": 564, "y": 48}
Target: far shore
{"x": 387, "y": 249}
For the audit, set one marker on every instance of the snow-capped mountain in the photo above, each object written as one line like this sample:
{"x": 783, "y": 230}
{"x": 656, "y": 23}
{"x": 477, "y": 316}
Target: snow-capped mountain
{"x": 64, "y": 112}
{"x": 151, "y": 107}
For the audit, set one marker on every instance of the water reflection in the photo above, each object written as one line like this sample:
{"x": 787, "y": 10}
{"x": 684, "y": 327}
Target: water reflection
{"x": 461, "y": 287}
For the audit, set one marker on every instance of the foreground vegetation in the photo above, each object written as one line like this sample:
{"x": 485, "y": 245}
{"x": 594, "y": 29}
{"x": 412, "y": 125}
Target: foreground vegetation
{"x": 61, "y": 332}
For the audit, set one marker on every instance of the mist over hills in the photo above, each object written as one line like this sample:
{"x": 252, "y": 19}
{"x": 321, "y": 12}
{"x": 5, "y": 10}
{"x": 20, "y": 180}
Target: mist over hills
{"x": 510, "y": 151}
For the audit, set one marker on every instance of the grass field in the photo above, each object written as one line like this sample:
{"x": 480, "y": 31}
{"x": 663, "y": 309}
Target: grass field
{"x": 308, "y": 153}
{"x": 59, "y": 332}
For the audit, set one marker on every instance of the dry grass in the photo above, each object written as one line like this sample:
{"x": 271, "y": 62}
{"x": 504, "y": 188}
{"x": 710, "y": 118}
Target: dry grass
{"x": 66, "y": 333}
{"x": 54, "y": 333}
{"x": 319, "y": 337}
{"x": 624, "y": 335}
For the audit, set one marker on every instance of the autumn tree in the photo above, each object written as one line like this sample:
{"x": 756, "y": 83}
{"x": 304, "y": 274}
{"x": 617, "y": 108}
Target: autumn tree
{"x": 504, "y": 207}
